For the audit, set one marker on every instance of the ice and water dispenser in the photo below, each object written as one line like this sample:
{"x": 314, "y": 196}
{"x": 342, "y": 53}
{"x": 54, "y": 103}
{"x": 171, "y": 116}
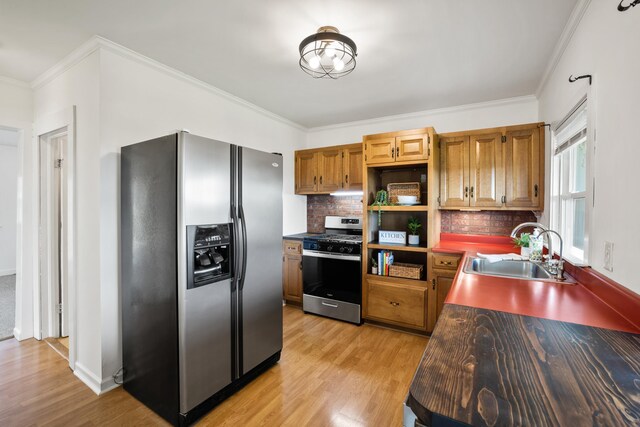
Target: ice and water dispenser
{"x": 208, "y": 254}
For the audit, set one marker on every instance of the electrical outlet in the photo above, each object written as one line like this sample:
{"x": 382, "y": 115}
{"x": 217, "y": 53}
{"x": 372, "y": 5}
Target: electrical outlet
{"x": 608, "y": 256}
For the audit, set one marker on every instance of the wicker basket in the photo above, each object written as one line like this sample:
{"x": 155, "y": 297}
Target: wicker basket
{"x": 405, "y": 270}
{"x": 403, "y": 189}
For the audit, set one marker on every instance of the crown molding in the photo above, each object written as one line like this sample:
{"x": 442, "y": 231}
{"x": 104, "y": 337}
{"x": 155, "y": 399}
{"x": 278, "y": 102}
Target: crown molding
{"x": 97, "y": 42}
{"x": 14, "y": 82}
{"x": 433, "y": 112}
{"x": 565, "y": 38}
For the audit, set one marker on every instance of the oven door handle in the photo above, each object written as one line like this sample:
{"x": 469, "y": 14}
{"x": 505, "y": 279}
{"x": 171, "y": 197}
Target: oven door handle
{"x": 318, "y": 254}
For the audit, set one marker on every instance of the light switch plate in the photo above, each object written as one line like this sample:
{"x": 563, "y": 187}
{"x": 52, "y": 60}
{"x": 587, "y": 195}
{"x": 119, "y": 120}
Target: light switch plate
{"x": 608, "y": 256}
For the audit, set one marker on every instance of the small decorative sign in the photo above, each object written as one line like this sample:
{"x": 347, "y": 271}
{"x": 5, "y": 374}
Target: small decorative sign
{"x": 394, "y": 237}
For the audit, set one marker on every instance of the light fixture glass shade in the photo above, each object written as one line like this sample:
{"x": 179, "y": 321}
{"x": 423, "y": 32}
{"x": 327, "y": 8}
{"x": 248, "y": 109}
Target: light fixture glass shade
{"x": 328, "y": 54}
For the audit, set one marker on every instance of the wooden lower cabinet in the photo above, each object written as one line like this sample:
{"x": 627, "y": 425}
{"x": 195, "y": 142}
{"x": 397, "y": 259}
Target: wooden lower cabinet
{"x": 292, "y": 272}
{"x": 396, "y": 303}
{"x": 441, "y": 271}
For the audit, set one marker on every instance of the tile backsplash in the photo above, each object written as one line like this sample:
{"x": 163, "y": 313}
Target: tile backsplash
{"x": 495, "y": 223}
{"x": 319, "y": 206}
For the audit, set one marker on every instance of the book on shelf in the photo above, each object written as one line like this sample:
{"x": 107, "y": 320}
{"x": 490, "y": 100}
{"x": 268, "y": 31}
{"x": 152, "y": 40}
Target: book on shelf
{"x": 385, "y": 259}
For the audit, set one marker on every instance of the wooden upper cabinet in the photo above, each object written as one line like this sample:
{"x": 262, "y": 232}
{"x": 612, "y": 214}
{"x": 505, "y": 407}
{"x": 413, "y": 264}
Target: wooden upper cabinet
{"x": 498, "y": 168}
{"x": 486, "y": 170}
{"x": 325, "y": 170}
{"x": 381, "y": 150}
{"x": 454, "y": 169}
{"x": 306, "y": 172}
{"x": 412, "y": 147}
{"x": 352, "y": 168}
{"x": 330, "y": 170}
{"x": 523, "y": 169}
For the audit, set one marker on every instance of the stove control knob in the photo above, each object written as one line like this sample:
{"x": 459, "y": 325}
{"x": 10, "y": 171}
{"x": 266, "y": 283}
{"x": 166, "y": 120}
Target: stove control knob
{"x": 349, "y": 250}
{"x": 341, "y": 248}
{"x": 329, "y": 248}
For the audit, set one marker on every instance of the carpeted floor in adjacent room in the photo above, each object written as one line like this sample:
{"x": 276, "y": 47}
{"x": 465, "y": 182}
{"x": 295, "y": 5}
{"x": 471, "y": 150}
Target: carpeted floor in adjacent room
{"x": 7, "y": 305}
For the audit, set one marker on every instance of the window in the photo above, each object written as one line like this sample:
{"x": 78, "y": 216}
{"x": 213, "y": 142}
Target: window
{"x": 570, "y": 182}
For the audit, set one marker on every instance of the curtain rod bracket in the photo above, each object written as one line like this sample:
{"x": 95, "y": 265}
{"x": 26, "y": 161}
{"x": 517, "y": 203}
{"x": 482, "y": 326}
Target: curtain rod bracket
{"x": 622, "y": 8}
{"x": 585, "y": 76}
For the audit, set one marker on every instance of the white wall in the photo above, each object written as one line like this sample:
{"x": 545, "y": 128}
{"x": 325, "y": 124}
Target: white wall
{"x": 466, "y": 117}
{"x": 605, "y": 44}
{"x": 9, "y": 202}
{"x": 139, "y": 101}
{"x": 16, "y": 112}
{"x": 79, "y": 86}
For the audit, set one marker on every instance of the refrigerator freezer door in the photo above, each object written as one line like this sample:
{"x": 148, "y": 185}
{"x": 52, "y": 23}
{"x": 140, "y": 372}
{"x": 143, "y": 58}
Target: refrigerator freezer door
{"x": 261, "y": 287}
{"x": 204, "y": 313}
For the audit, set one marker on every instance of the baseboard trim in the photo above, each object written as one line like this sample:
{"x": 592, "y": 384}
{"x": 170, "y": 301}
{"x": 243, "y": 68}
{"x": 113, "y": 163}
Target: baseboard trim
{"x": 108, "y": 384}
{"x": 7, "y": 272}
{"x": 17, "y": 334}
{"x": 88, "y": 378}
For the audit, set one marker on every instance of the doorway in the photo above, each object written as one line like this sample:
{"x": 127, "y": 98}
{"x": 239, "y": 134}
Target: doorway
{"x": 53, "y": 222}
{"x": 8, "y": 229}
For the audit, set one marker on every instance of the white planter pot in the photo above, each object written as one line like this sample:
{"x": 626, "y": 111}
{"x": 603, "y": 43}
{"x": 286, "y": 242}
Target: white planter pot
{"x": 374, "y": 270}
{"x": 525, "y": 251}
{"x": 414, "y": 239}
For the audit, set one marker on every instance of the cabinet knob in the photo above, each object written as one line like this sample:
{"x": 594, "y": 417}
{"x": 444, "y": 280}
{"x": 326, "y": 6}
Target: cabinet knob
{"x": 320, "y": 179}
{"x": 433, "y": 282}
{"x": 395, "y": 304}
{"x": 466, "y": 192}
{"x": 535, "y": 190}
{"x": 314, "y": 180}
{"x": 472, "y": 192}
{"x": 397, "y": 152}
{"x": 346, "y": 179}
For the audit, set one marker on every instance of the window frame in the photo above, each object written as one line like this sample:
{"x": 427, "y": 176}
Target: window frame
{"x": 563, "y": 195}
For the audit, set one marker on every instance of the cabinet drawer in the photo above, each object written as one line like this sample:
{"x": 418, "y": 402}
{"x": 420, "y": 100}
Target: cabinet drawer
{"x": 396, "y": 303}
{"x": 445, "y": 261}
{"x": 292, "y": 247}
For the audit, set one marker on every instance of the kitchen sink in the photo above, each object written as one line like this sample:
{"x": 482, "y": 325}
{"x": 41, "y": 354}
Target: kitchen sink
{"x": 514, "y": 269}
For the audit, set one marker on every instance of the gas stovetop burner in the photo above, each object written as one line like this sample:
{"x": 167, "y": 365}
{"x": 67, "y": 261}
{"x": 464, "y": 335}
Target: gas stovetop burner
{"x": 341, "y": 238}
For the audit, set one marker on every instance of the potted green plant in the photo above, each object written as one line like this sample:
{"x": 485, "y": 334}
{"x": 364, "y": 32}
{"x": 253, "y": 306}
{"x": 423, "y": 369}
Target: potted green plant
{"x": 523, "y": 241}
{"x": 413, "y": 225}
{"x": 374, "y": 266}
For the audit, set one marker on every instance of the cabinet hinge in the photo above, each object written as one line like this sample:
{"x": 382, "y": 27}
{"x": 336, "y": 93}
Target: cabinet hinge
{"x": 504, "y": 138}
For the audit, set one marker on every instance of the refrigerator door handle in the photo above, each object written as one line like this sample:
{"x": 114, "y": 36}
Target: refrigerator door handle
{"x": 235, "y": 251}
{"x": 244, "y": 247}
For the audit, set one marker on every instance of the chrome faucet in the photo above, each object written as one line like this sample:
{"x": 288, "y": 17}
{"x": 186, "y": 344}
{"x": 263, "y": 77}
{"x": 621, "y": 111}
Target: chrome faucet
{"x": 519, "y": 227}
{"x": 555, "y": 267}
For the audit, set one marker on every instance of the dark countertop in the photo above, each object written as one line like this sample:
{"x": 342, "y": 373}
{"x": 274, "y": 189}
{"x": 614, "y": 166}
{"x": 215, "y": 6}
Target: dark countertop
{"x": 298, "y": 236}
{"x": 485, "y": 367}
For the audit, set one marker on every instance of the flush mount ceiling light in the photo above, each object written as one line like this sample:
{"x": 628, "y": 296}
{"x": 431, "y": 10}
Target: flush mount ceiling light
{"x": 328, "y": 54}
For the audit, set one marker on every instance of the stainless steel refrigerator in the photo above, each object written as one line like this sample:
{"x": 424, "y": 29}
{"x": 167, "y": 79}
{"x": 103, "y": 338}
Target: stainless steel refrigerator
{"x": 201, "y": 235}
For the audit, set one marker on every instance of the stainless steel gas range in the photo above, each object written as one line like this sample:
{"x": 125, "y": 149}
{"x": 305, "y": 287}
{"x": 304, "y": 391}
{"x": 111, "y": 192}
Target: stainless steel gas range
{"x": 332, "y": 270}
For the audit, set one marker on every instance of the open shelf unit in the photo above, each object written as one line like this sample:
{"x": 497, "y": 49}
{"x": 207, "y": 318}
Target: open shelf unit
{"x": 387, "y": 298}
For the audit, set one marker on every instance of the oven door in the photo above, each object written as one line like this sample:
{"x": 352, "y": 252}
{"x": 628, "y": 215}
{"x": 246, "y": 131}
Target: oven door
{"x": 333, "y": 276}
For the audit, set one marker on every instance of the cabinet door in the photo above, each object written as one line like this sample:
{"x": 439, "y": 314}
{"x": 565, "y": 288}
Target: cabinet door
{"x": 292, "y": 271}
{"x": 380, "y": 150}
{"x": 454, "y": 172}
{"x": 443, "y": 281}
{"x": 523, "y": 164}
{"x": 306, "y": 172}
{"x": 412, "y": 147}
{"x": 396, "y": 303}
{"x": 330, "y": 170}
{"x": 352, "y": 168}
{"x": 486, "y": 170}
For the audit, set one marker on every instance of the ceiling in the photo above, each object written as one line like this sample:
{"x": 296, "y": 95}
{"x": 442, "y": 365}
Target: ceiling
{"x": 413, "y": 55}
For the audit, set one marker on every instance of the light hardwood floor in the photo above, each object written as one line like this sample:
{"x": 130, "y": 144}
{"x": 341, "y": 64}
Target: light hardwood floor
{"x": 331, "y": 374}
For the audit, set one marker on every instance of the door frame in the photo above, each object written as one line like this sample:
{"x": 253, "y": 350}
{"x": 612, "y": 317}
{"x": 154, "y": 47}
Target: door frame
{"x": 46, "y": 124}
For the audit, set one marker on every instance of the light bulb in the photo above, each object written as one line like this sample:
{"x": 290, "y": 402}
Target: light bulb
{"x": 338, "y": 64}
{"x": 330, "y": 50}
{"x": 314, "y": 62}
